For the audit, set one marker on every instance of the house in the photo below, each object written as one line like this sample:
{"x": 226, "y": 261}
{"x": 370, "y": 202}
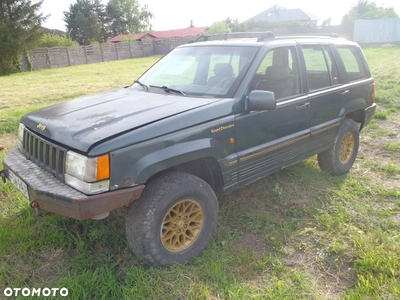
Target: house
{"x": 54, "y": 31}
{"x": 281, "y": 14}
{"x": 191, "y": 31}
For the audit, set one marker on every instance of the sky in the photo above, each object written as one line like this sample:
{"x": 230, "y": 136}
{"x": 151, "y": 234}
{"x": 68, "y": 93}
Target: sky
{"x": 176, "y": 14}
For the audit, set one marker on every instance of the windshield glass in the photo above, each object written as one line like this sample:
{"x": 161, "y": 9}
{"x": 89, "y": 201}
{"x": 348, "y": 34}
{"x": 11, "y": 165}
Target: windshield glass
{"x": 213, "y": 71}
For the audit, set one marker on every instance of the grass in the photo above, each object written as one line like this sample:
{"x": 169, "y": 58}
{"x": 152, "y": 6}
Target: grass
{"x": 297, "y": 234}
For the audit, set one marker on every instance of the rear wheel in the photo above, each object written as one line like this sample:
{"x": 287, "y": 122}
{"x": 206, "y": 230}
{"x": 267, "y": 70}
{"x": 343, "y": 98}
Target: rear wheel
{"x": 173, "y": 221}
{"x": 340, "y": 157}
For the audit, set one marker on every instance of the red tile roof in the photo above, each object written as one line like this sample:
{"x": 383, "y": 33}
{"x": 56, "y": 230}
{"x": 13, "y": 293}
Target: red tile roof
{"x": 191, "y": 31}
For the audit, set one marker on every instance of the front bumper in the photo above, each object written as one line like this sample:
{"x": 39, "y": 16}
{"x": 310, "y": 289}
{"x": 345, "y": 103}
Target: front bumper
{"x": 48, "y": 194}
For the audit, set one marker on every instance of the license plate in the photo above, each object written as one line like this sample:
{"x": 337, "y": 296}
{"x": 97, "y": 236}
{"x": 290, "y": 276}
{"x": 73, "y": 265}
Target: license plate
{"x": 15, "y": 180}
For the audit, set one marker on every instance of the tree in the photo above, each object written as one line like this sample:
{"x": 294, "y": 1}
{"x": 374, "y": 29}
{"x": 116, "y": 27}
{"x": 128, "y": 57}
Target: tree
{"x": 365, "y": 9}
{"x": 86, "y": 22}
{"x": 20, "y": 28}
{"x": 191, "y": 24}
{"x": 218, "y": 27}
{"x": 234, "y": 25}
{"x": 126, "y": 16}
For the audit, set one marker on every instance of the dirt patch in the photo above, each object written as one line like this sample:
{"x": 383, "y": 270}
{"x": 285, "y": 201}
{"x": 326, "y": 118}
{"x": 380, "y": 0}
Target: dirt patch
{"x": 329, "y": 272}
{"x": 372, "y": 150}
{"x": 44, "y": 268}
{"x": 254, "y": 243}
{"x": 372, "y": 146}
{"x": 396, "y": 218}
{"x": 49, "y": 263}
{"x": 8, "y": 141}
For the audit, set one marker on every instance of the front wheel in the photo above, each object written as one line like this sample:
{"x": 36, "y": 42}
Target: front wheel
{"x": 340, "y": 157}
{"x": 173, "y": 221}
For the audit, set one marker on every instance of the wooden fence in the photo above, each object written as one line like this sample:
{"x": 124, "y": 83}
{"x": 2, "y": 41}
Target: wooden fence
{"x": 56, "y": 57}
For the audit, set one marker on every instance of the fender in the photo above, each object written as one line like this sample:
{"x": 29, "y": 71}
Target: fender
{"x": 353, "y": 105}
{"x": 148, "y": 161}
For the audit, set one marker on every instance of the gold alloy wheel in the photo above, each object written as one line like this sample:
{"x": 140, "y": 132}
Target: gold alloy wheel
{"x": 182, "y": 225}
{"x": 346, "y": 148}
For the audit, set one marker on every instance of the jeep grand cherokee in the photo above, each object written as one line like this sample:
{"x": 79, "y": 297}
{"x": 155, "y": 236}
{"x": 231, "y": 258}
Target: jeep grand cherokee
{"x": 206, "y": 119}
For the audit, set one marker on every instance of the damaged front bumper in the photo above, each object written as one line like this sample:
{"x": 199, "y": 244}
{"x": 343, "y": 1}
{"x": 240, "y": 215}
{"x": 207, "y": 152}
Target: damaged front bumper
{"x": 49, "y": 194}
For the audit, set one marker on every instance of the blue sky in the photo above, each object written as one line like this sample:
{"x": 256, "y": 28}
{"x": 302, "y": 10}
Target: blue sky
{"x": 175, "y": 14}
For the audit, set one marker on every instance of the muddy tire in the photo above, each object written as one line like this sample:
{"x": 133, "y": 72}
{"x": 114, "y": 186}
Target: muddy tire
{"x": 339, "y": 159}
{"x": 173, "y": 221}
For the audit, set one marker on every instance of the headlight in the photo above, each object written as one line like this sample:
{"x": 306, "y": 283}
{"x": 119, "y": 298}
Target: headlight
{"x": 87, "y": 174}
{"x": 21, "y": 130}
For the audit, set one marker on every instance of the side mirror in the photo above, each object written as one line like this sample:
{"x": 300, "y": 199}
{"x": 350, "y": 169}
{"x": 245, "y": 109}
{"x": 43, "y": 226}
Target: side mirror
{"x": 261, "y": 100}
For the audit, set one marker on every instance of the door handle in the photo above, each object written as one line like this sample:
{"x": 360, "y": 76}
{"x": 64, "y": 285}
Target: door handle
{"x": 303, "y": 106}
{"x": 344, "y": 93}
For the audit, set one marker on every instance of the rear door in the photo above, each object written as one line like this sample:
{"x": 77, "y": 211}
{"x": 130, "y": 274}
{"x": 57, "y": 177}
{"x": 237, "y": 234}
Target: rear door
{"x": 327, "y": 94}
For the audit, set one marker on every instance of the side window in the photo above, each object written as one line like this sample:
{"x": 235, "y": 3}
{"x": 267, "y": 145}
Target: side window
{"x": 333, "y": 69}
{"x": 267, "y": 61}
{"x": 278, "y": 73}
{"x": 322, "y": 71}
{"x": 352, "y": 62}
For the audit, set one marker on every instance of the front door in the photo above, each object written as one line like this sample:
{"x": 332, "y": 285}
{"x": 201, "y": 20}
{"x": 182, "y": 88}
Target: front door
{"x": 266, "y": 141}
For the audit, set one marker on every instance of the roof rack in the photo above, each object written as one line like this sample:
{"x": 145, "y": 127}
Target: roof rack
{"x": 261, "y": 36}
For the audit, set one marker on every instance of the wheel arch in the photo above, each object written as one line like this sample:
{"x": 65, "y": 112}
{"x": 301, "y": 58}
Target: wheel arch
{"x": 206, "y": 168}
{"x": 199, "y": 158}
{"x": 354, "y": 110}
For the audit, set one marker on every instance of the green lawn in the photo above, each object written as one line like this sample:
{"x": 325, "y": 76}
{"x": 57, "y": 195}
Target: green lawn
{"x": 297, "y": 234}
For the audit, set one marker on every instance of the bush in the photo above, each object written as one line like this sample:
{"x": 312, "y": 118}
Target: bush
{"x": 49, "y": 40}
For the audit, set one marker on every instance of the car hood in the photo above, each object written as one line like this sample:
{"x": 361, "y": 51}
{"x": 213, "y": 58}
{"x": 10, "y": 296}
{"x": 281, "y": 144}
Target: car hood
{"x": 84, "y": 122}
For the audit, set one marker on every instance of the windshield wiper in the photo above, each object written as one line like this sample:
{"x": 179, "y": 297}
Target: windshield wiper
{"x": 169, "y": 90}
{"x": 142, "y": 85}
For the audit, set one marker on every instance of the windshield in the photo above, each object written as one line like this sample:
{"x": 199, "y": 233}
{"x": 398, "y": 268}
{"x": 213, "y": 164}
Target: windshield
{"x": 213, "y": 71}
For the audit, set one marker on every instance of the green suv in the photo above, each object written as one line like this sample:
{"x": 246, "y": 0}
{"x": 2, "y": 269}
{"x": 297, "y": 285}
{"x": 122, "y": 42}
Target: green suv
{"x": 206, "y": 119}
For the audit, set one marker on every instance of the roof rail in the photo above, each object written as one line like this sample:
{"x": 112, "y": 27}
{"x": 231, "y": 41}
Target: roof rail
{"x": 314, "y": 34}
{"x": 261, "y": 36}
{"x": 265, "y": 36}
{"x": 234, "y": 35}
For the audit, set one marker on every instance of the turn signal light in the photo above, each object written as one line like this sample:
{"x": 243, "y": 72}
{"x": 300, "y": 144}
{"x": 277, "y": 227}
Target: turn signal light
{"x": 103, "y": 167}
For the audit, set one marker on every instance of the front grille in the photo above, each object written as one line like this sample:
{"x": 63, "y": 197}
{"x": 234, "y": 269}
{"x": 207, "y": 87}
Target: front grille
{"x": 46, "y": 155}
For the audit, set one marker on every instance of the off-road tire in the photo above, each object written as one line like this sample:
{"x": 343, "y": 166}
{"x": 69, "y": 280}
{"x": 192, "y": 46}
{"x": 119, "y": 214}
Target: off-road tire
{"x": 340, "y": 157}
{"x": 173, "y": 221}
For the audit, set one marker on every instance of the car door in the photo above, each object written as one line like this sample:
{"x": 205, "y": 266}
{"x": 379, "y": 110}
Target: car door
{"x": 268, "y": 140}
{"x": 326, "y": 94}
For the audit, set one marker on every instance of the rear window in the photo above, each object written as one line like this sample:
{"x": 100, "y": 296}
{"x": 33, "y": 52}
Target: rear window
{"x": 353, "y": 62}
